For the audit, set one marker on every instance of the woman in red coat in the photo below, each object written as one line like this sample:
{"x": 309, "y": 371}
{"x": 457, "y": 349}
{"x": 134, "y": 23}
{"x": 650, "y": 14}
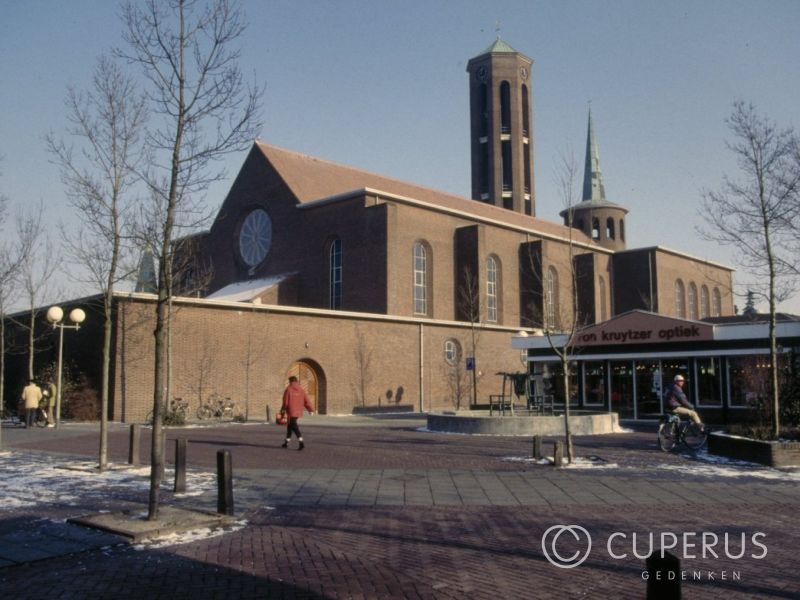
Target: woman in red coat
{"x": 294, "y": 400}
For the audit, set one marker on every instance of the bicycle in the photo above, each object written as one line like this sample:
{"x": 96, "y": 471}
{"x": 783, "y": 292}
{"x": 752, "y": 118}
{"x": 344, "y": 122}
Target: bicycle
{"x": 217, "y": 407}
{"x": 175, "y": 413}
{"x": 672, "y": 431}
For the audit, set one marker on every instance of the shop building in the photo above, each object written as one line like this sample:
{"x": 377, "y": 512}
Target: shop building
{"x": 624, "y": 364}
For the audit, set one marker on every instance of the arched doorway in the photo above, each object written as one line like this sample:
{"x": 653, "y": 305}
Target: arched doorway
{"x": 311, "y": 378}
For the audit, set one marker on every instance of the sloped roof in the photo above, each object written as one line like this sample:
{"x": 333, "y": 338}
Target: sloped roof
{"x": 311, "y": 179}
{"x": 499, "y": 47}
{"x": 245, "y": 291}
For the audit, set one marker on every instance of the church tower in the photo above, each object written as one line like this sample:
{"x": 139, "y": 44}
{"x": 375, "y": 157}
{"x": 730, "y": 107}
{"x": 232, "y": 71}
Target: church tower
{"x": 598, "y": 218}
{"x": 501, "y": 128}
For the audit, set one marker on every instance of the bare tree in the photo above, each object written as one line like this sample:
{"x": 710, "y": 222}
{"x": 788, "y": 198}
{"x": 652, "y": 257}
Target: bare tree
{"x": 204, "y": 111}
{"x": 469, "y": 303}
{"x": 363, "y": 363}
{"x": 755, "y": 213}
{"x": 13, "y": 253}
{"x": 36, "y": 270}
{"x": 106, "y": 123}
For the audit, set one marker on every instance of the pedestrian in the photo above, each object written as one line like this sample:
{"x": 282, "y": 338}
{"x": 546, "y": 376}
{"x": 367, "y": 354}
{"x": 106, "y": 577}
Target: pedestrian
{"x": 31, "y": 395}
{"x": 50, "y": 391}
{"x": 294, "y": 400}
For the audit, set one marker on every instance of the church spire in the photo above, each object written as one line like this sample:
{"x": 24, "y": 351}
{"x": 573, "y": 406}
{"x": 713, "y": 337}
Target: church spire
{"x": 592, "y": 176}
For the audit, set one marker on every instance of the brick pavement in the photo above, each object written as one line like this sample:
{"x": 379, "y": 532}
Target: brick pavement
{"x": 395, "y": 513}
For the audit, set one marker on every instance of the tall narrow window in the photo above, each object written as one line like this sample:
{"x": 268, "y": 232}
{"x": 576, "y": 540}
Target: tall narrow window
{"x": 526, "y": 126}
{"x": 610, "y": 228}
{"x": 483, "y": 101}
{"x": 692, "y": 300}
{"x": 716, "y": 307}
{"x": 622, "y": 230}
{"x": 551, "y": 299}
{"x": 335, "y": 289}
{"x": 595, "y": 229}
{"x": 491, "y": 290}
{"x": 420, "y": 279}
{"x": 704, "y": 306}
{"x": 680, "y": 299}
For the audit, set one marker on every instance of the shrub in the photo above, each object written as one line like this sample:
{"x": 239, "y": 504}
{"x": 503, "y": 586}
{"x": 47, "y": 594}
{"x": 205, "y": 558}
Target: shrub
{"x": 80, "y": 401}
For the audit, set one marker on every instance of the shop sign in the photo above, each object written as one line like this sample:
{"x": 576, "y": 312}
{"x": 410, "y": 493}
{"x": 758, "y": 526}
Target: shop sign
{"x": 643, "y": 328}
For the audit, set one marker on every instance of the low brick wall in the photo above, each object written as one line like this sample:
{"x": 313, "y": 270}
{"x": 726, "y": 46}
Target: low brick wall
{"x": 773, "y": 454}
{"x": 481, "y": 423}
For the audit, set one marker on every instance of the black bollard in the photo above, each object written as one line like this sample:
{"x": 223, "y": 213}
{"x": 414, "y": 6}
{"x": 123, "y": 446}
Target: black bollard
{"x": 224, "y": 483}
{"x": 537, "y": 447}
{"x": 663, "y": 576}
{"x": 134, "y": 445}
{"x": 558, "y": 454}
{"x": 180, "y": 465}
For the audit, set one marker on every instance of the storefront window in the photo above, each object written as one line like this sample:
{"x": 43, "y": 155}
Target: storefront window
{"x": 648, "y": 388}
{"x": 548, "y": 378}
{"x": 594, "y": 381}
{"x": 677, "y": 366}
{"x": 622, "y": 388}
{"x": 749, "y": 380}
{"x": 709, "y": 382}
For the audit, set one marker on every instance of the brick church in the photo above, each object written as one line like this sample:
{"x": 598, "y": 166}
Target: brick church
{"x": 378, "y": 292}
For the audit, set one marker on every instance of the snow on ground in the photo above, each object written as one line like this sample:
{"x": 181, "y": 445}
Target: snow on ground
{"x": 711, "y": 465}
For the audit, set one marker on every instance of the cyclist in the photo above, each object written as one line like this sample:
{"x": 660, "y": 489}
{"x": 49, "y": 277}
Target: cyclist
{"x": 677, "y": 403}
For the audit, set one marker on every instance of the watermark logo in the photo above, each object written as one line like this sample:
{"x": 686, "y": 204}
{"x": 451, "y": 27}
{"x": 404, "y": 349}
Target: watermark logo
{"x": 550, "y": 542}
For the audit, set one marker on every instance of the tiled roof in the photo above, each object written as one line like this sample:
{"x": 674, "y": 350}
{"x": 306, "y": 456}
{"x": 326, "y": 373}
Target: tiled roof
{"x": 313, "y": 179}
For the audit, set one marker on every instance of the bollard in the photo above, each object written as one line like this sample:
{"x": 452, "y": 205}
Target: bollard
{"x": 269, "y": 418}
{"x": 134, "y": 444}
{"x": 224, "y": 483}
{"x": 537, "y": 447}
{"x": 163, "y": 454}
{"x": 663, "y": 576}
{"x": 558, "y": 454}
{"x": 180, "y": 465}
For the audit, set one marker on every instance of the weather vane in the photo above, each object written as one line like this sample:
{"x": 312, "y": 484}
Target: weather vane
{"x": 497, "y": 28}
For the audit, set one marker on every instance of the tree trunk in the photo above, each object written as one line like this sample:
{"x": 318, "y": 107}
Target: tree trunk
{"x": 567, "y": 430}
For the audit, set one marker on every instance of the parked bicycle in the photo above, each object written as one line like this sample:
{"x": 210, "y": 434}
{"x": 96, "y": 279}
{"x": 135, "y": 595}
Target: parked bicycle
{"x": 672, "y": 431}
{"x": 217, "y": 407}
{"x": 175, "y": 413}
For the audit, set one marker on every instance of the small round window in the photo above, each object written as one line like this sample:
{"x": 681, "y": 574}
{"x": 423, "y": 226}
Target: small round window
{"x": 255, "y": 237}
{"x": 452, "y": 352}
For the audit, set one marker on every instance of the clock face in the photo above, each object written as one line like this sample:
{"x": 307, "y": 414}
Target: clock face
{"x": 481, "y": 73}
{"x": 523, "y": 72}
{"x": 255, "y": 237}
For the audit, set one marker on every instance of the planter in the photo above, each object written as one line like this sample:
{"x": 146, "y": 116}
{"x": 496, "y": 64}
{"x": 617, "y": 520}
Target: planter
{"x": 773, "y": 454}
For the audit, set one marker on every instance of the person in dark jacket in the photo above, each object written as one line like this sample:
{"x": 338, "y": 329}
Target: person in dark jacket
{"x": 677, "y": 402}
{"x": 294, "y": 400}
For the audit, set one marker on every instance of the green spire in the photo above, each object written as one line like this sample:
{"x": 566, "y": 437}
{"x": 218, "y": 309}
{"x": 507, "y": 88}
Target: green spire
{"x": 592, "y": 176}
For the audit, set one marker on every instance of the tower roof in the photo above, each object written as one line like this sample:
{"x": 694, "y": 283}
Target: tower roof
{"x": 592, "y": 176}
{"x": 499, "y": 47}
{"x": 594, "y": 193}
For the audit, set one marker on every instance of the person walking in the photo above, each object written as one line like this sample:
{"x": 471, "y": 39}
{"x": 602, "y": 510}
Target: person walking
{"x": 50, "y": 392}
{"x": 294, "y": 400}
{"x": 31, "y": 395}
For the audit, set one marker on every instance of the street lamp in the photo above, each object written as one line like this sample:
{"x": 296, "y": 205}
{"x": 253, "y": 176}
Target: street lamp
{"x": 55, "y": 315}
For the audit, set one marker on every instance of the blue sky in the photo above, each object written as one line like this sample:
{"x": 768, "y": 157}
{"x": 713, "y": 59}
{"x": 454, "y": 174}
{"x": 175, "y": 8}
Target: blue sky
{"x": 381, "y": 85}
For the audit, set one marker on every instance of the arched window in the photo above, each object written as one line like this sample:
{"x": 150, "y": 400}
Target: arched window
{"x": 692, "y": 300}
{"x": 492, "y": 289}
{"x": 526, "y": 126}
{"x": 622, "y": 230}
{"x": 716, "y": 307}
{"x": 551, "y": 299}
{"x": 610, "y": 228}
{"x": 483, "y": 102}
{"x": 452, "y": 352}
{"x": 420, "y": 279}
{"x": 595, "y": 229}
{"x": 704, "y": 306}
{"x": 335, "y": 270}
{"x": 601, "y": 290}
{"x": 680, "y": 299}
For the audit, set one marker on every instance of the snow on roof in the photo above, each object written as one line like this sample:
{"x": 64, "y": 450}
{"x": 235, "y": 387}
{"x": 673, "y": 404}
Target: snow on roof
{"x": 244, "y": 291}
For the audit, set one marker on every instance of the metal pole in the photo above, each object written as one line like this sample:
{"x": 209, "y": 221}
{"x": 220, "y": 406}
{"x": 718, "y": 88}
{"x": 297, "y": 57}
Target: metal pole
{"x": 58, "y": 389}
